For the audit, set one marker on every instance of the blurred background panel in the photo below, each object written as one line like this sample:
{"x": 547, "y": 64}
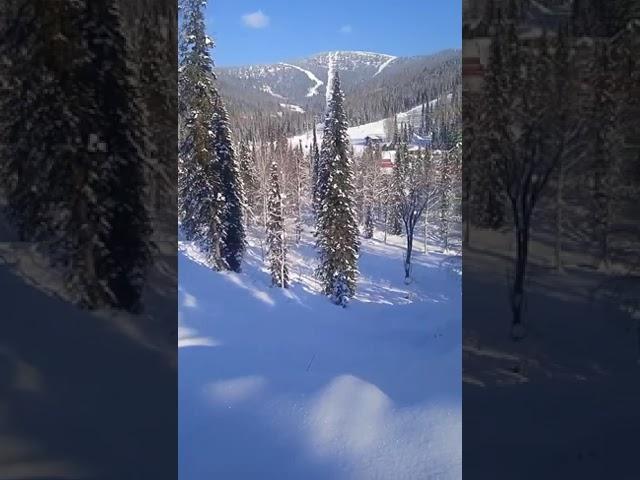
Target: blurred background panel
{"x": 88, "y": 243}
{"x": 551, "y": 265}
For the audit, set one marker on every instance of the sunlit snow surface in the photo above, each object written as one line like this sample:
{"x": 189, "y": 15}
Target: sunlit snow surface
{"x": 282, "y": 384}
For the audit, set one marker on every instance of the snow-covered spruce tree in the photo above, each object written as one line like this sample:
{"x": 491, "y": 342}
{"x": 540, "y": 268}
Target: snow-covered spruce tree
{"x": 200, "y": 194}
{"x": 249, "y": 177}
{"x": 605, "y": 153}
{"x": 394, "y": 222}
{"x": 446, "y": 199}
{"x": 395, "y": 215}
{"x": 298, "y": 156}
{"x": 368, "y": 222}
{"x": 37, "y": 112}
{"x": 123, "y": 148}
{"x": 341, "y": 293}
{"x": 276, "y": 244}
{"x": 488, "y": 200}
{"x": 393, "y": 135}
{"x": 75, "y": 155}
{"x": 315, "y": 170}
{"x": 233, "y": 233}
{"x": 337, "y": 231}
{"x": 159, "y": 75}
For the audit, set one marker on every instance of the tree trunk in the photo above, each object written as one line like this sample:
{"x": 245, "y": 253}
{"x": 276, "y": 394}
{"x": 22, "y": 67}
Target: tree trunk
{"x": 559, "y": 206}
{"x": 467, "y": 227}
{"x": 386, "y": 221}
{"x": 467, "y": 218}
{"x": 426, "y": 228}
{"x": 84, "y": 267}
{"x": 604, "y": 236}
{"x": 445, "y": 245}
{"x": 407, "y": 258}
{"x": 265, "y": 211}
{"x": 87, "y": 270}
{"x": 517, "y": 292}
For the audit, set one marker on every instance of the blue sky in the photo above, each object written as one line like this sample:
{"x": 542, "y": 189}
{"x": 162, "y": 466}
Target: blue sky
{"x": 266, "y": 31}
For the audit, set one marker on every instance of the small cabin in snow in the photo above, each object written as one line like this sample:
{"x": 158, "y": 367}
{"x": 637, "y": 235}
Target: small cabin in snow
{"x": 373, "y": 140}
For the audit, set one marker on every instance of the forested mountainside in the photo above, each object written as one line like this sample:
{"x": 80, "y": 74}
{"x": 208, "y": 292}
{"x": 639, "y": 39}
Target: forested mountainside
{"x": 293, "y": 93}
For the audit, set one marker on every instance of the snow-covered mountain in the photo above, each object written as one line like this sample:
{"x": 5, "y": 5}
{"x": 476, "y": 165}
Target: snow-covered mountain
{"x": 302, "y": 78}
{"x": 355, "y": 67}
{"x": 302, "y": 82}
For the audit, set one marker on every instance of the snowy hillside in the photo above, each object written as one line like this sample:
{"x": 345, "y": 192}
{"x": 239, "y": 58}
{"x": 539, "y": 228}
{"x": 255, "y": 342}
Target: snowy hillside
{"x": 367, "y": 64}
{"x": 81, "y": 389}
{"x": 282, "y": 384}
{"x": 312, "y": 70}
{"x": 572, "y": 385}
{"x": 303, "y": 81}
{"x": 359, "y": 133}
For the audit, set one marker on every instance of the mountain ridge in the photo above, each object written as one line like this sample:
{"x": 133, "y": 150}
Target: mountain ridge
{"x": 376, "y": 85}
{"x": 312, "y": 55}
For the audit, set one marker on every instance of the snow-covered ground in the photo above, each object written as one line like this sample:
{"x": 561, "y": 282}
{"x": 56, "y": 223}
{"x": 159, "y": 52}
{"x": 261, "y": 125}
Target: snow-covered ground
{"x": 282, "y": 384}
{"x": 566, "y": 398}
{"x": 84, "y": 394}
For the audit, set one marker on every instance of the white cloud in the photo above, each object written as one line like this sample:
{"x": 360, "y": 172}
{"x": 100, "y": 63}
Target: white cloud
{"x": 256, "y": 19}
{"x": 190, "y": 301}
{"x": 346, "y": 29}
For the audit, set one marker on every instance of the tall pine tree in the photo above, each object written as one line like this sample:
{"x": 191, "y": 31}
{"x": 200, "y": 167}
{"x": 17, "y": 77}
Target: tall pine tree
{"x": 159, "y": 76}
{"x": 446, "y": 199}
{"x": 605, "y": 152}
{"x": 210, "y": 189}
{"x": 123, "y": 148}
{"x": 337, "y": 226}
{"x": 75, "y": 156}
{"x": 368, "y": 222}
{"x": 233, "y": 233}
{"x": 315, "y": 170}
{"x": 276, "y": 244}
{"x": 249, "y": 176}
{"x": 395, "y": 214}
{"x": 200, "y": 193}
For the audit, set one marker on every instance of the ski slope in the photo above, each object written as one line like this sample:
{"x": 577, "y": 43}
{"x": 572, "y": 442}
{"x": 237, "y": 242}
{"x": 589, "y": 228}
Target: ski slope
{"x": 267, "y": 89}
{"x": 384, "y": 65}
{"x": 358, "y": 134}
{"x": 293, "y": 108}
{"x": 282, "y": 384}
{"x": 318, "y": 83}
